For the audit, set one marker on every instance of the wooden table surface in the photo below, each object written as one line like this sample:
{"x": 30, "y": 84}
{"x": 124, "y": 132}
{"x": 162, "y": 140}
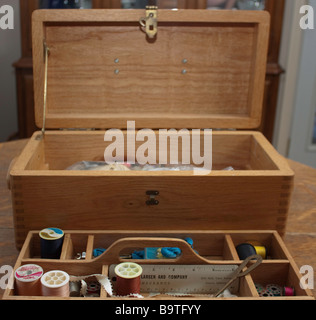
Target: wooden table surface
{"x": 300, "y": 237}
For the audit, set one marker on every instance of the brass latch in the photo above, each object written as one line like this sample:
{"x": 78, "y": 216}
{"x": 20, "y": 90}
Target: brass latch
{"x": 152, "y": 198}
{"x": 150, "y": 23}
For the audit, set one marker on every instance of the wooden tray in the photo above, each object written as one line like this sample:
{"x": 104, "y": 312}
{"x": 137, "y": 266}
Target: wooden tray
{"x": 213, "y": 247}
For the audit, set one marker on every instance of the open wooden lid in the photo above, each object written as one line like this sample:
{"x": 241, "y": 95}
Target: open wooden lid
{"x": 204, "y": 69}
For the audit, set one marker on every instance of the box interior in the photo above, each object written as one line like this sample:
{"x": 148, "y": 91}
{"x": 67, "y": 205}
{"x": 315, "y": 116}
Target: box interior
{"x": 60, "y": 150}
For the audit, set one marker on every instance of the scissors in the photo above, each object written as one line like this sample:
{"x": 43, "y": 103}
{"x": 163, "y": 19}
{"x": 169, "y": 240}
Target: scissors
{"x": 238, "y": 273}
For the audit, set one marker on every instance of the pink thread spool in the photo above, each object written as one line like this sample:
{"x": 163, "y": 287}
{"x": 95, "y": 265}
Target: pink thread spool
{"x": 27, "y": 280}
{"x": 288, "y": 292}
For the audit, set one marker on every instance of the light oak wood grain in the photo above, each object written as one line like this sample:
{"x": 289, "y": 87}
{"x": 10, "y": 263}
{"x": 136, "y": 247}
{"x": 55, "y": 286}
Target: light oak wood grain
{"x": 254, "y": 196}
{"x": 299, "y": 237}
{"x": 222, "y": 87}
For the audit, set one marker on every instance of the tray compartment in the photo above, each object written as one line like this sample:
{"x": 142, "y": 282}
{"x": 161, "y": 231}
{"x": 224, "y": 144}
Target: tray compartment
{"x": 274, "y": 249}
{"x": 214, "y": 247}
{"x": 281, "y": 274}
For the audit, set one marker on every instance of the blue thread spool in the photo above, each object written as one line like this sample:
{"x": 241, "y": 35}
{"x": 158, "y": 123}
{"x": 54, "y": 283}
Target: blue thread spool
{"x": 51, "y": 243}
{"x": 245, "y": 250}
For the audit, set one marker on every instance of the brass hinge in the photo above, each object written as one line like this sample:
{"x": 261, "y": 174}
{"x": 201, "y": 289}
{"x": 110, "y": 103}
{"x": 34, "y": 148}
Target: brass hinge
{"x": 150, "y": 23}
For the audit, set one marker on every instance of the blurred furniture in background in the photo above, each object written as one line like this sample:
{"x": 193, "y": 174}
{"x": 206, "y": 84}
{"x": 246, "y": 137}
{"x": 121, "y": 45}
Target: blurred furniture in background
{"x": 24, "y": 72}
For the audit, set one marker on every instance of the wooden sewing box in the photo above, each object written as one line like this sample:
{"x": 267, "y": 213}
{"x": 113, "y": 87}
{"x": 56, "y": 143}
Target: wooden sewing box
{"x": 96, "y": 70}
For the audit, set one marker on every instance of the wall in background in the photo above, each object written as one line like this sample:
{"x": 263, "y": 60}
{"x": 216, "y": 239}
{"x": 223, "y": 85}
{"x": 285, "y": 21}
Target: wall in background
{"x": 293, "y": 134}
{"x": 290, "y": 55}
{"x": 10, "y": 51}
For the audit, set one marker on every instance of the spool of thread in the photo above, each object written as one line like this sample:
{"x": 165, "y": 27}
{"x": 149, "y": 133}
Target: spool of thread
{"x": 261, "y": 251}
{"x": 288, "y": 291}
{"x": 245, "y": 250}
{"x": 27, "y": 280}
{"x": 74, "y": 289}
{"x": 51, "y": 243}
{"x": 128, "y": 278}
{"x": 55, "y": 284}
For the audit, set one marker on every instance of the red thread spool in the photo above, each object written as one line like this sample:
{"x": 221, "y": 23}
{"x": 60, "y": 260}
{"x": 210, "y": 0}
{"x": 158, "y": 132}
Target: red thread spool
{"x": 128, "y": 278}
{"x": 27, "y": 280}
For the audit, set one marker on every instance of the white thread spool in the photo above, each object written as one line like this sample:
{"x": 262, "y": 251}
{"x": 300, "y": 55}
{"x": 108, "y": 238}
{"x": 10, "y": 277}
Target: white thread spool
{"x": 55, "y": 284}
{"x": 27, "y": 280}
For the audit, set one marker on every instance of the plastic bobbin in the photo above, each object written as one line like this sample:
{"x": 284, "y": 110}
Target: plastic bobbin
{"x": 259, "y": 288}
{"x": 55, "y": 284}
{"x": 266, "y": 293}
{"x": 274, "y": 289}
{"x": 93, "y": 287}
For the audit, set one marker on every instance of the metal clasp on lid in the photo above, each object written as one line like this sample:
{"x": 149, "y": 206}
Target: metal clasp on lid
{"x": 152, "y": 198}
{"x": 150, "y": 23}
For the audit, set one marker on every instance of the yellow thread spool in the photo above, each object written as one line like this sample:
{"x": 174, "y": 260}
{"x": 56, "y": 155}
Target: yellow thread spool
{"x": 261, "y": 251}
